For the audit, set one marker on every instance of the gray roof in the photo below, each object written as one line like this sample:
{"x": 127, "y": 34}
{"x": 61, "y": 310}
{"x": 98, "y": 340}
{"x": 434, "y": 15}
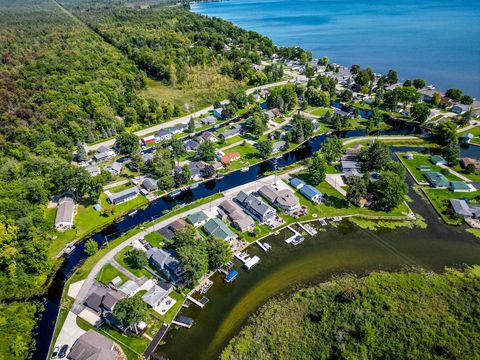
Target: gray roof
{"x": 65, "y": 211}
{"x": 208, "y": 120}
{"x": 279, "y": 145}
{"x": 254, "y": 203}
{"x": 283, "y": 198}
{"x": 460, "y": 207}
{"x": 192, "y": 144}
{"x": 122, "y": 195}
{"x": 232, "y": 210}
{"x": 297, "y": 183}
{"x": 162, "y": 258}
{"x": 230, "y": 133}
{"x": 347, "y": 164}
{"x": 310, "y": 192}
{"x": 156, "y": 293}
{"x": 150, "y": 184}
{"x": 116, "y": 166}
{"x": 103, "y": 149}
{"x": 129, "y": 287}
{"x": 93, "y": 346}
{"x": 92, "y": 169}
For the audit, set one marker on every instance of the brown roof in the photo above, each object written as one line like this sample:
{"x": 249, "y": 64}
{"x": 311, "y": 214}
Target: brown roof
{"x": 283, "y": 197}
{"x": 111, "y": 298}
{"x": 233, "y": 211}
{"x": 178, "y": 224}
{"x": 93, "y": 346}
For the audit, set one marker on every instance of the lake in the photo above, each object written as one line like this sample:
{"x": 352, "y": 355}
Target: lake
{"x": 437, "y": 40}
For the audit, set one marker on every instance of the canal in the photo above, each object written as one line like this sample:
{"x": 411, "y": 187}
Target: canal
{"x": 156, "y": 209}
{"x": 340, "y": 249}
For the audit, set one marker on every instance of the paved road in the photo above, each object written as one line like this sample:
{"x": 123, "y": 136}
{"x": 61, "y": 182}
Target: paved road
{"x": 182, "y": 120}
{"x": 383, "y": 137}
{"x": 472, "y": 125}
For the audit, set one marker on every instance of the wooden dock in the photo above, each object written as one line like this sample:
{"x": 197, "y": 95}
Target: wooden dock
{"x": 308, "y": 228}
{"x": 149, "y": 352}
{"x": 194, "y": 301}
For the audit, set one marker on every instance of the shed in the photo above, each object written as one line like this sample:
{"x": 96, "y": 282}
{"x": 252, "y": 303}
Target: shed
{"x": 438, "y": 160}
{"x": 311, "y": 193}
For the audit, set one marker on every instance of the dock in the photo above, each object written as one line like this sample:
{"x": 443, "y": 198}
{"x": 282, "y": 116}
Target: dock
{"x": 322, "y": 221}
{"x": 183, "y": 321}
{"x": 195, "y": 301}
{"x": 296, "y": 238}
{"x": 264, "y": 246}
{"x": 149, "y": 352}
{"x": 308, "y": 228}
{"x": 251, "y": 262}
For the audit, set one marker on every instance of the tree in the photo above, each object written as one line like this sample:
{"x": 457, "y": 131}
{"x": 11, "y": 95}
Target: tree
{"x": 355, "y": 69}
{"x": 317, "y": 169}
{"x": 183, "y": 237}
{"x": 219, "y": 252}
{"x": 127, "y": 143}
{"x": 451, "y": 152}
{"x": 470, "y": 169}
{"x": 137, "y": 258}
{"x": 194, "y": 260}
{"x": 302, "y": 129}
{"x": 108, "y": 210}
{"x": 356, "y": 189}
{"x": 454, "y": 94}
{"x": 406, "y": 95}
{"x": 392, "y": 77}
{"x": 177, "y": 149}
{"x": 91, "y": 247}
{"x": 206, "y": 151}
{"x": 419, "y": 83}
{"x": 376, "y": 157}
{"x": 323, "y": 61}
{"x": 130, "y": 311}
{"x": 265, "y": 148}
{"x": 81, "y": 153}
{"x": 445, "y": 132}
{"x": 420, "y": 112}
{"x": 257, "y": 125}
{"x": 208, "y": 171}
{"x": 332, "y": 149}
{"x": 186, "y": 174}
{"x": 436, "y": 99}
{"x": 317, "y": 97}
{"x": 390, "y": 191}
{"x": 466, "y": 100}
{"x": 191, "y": 125}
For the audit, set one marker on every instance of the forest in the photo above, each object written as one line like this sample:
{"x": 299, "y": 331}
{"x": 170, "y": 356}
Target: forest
{"x": 409, "y": 315}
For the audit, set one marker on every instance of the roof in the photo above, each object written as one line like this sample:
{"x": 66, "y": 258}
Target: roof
{"x": 162, "y": 258}
{"x": 460, "y": 207}
{"x": 122, "y": 195}
{"x": 150, "y": 184}
{"x": 254, "y": 203}
{"x": 218, "y": 228}
{"x": 459, "y": 185}
{"x": 283, "y": 198}
{"x": 352, "y": 172}
{"x": 92, "y": 169}
{"x": 209, "y": 120}
{"x": 207, "y": 135}
{"x": 103, "y": 149}
{"x": 192, "y": 144}
{"x": 279, "y": 145}
{"x": 116, "y": 281}
{"x": 437, "y": 179}
{"x": 424, "y": 167}
{"x": 468, "y": 136}
{"x": 65, "y": 211}
{"x": 197, "y": 217}
{"x": 310, "y": 192}
{"x": 94, "y": 300}
{"x": 93, "y": 346}
{"x": 178, "y": 224}
{"x": 436, "y": 159}
{"x": 116, "y": 166}
{"x": 230, "y": 133}
{"x": 111, "y": 298}
{"x": 233, "y": 211}
{"x": 347, "y": 164}
{"x": 156, "y": 293}
{"x": 244, "y": 223}
{"x": 164, "y": 133}
{"x": 296, "y": 182}
{"x": 227, "y": 158}
{"x": 129, "y": 287}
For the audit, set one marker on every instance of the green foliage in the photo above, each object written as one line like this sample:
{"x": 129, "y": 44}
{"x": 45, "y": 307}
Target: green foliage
{"x": 332, "y": 149}
{"x": 91, "y": 247}
{"x": 130, "y": 311}
{"x": 219, "y": 252}
{"x": 420, "y": 112}
{"x": 381, "y": 316}
{"x": 137, "y": 258}
{"x": 127, "y": 143}
{"x": 454, "y": 94}
{"x": 356, "y": 188}
{"x": 451, "y": 152}
{"x": 390, "y": 191}
{"x": 376, "y": 157}
{"x": 284, "y": 98}
{"x": 265, "y": 148}
{"x": 445, "y": 132}
{"x": 317, "y": 169}
{"x": 302, "y": 129}
{"x": 206, "y": 151}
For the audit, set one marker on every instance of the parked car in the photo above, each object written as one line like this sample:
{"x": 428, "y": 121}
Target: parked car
{"x": 63, "y": 351}
{"x": 56, "y": 349}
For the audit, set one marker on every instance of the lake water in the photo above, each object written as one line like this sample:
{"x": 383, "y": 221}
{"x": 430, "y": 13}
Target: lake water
{"x": 437, "y": 40}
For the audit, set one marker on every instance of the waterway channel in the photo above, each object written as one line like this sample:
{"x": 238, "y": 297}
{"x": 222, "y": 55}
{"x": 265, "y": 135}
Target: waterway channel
{"x": 155, "y": 209}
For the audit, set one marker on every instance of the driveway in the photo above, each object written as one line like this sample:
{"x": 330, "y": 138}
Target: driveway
{"x": 70, "y": 331}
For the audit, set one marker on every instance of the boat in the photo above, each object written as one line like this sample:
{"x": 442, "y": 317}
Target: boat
{"x": 337, "y": 218}
{"x": 245, "y": 169}
{"x": 174, "y": 193}
{"x": 206, "y": 287}
{"x": 322, "y": 221}
{"x": 230, "y": 276}
{"x": 69, "y": 249}
{"x": 297, "y": 240}
{"x": 132, "y": 212}
{"x": 267, "y": 246}
{"x": 194, "y": 186}
{"x": 251, "y": 262}
{"x": 219, "y": 177}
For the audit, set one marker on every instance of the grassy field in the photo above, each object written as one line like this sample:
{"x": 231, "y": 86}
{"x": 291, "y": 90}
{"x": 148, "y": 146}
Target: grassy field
{"x": 418, "y": 160}
{"x": 155, "y": 239}
{"x": 108, "y": 273}
{"x": 122, "y": 259}
{"x": 440, "y": 201}
{"x": 249, "y": 156}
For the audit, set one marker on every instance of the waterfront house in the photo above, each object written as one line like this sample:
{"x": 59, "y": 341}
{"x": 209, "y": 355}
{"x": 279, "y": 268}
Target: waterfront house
{"x": 218, "y": 113}
{"x": 352, "y": 172}
{"x": 438, "y": 160}
{"x": 283, "y": 199}
{"x": 424, "y": 168}
{"x": 349, "y": 165}
{"x": 123, "y": 196}
{"x": 230, "y": 133}
{"x": 156, "y": 294}
{"x": 426, "y": 95}
{"x": 169, "y": 231}
{"x": 197, "y": 219}
{"x": 207, "y": 136}
{"x": 279, "y": 146}
{"x": 166, "y": 264}
{"x": 177, "y": 129}
{"x": 297, "y": 183}
{"x": 467, "y": 138}
{"x": 217, "y": 228}
{"x": 94, "y": 346}
{"x": 460, "y": 186}
{"x": 163, "y": 135}
{"x": 208, "y": 120}
{"x": 464, "y": 162}
{"x": 460, "y": 108}
{"x": 93, "y": 170}
{"x": 228, "y": 158}
{"x": 461, "y": 207}
{"x": 191, "y": 145}
{"x": 65, "y": 214}
{"x": 311, "y": 193}
{"x": 409, "y": 156}
{"x": 111, "y": 298}
{"x": 235, "y": 214}
{"x": 259, "y": 209}
{"x": 150, "y": 184}
{"x": 437, "y": 180}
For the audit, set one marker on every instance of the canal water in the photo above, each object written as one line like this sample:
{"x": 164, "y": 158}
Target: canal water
{"x": 156, "y": 209}
{"x": 340, "y": 249}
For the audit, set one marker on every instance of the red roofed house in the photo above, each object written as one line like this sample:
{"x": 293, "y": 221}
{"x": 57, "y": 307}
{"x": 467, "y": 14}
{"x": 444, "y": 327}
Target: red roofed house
{"x": 149, "y": 139}
{"x": 228, "y": 158}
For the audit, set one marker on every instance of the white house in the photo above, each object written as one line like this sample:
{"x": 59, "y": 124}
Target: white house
{"x": 65, "y": 213}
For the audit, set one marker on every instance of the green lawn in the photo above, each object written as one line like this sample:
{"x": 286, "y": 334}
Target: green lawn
{"x": 318, "y": 111}
{"x": 108, "y": 273}
{"x": 155, "y": 239}
{"x": 249, "y": 156}
{"x": 474, "y": 177}
{"x": 168, "y": 317}
{"x": 422, "y": 159}
{"x": 122, "y": 259}
{"x": 221, "y": 144}
{"x": 440, "y": 201}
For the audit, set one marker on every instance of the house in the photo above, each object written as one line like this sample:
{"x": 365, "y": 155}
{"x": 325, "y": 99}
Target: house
{"x": 279, "y": 146}
{"x": 283, "y": 199}
{"x": 149, "y": 140}
{"x": 409, "y": 156}
{"x": 445, "y": 102}
{"x": 461, "y": 207}
{"x": 467, "y": 161}
{"x": 263, "y": 212}
{"x": 218, "y": 113}
{"x": 115, "y": 168}
{"x": 352, "y": 172}
{"x": 349, "y": 165}
{"x": 94, "y": 346}
{"x": 426, "y": 95}
{"x": 272, "y": 114}
{"x": 297, "y": 183}
{"x": 342, "y": 113}
{"x": 191, "y": 145}
{"x": 65, "y": 214}
{"x": 169, "y": 231}
{"x": 467, "y": 138}
{"x": 163, "y": 135}
{"x": 235, "y": 214}
{"x": 111, "y": 298}
{"x": 93, "y": 170}
{"x": 460, "y": 186}
{"x": 129, "y": 288}
{"x": 217, "y": 165}
{"x": 437, "y": 180}
{"x": 103, "y": 153}
{"x": 217, "y": 228}
{"x": 424, "y": 168}
{"x": 460, "y": 108}
{"x": 165, "y": 263}
{"x": 208, "y": 120}
{"x": 197, "y": 219}
{"x": 438, "y": 160}
{"x": 177, "y": 129}
{"x": 123, "y": 196}
{"x": 196, "y": 169}
{"x": 207, "y": 136}
{"x": 228, "y": 158}
{"x": 150, "y": 184}
{"x": 230, "y": 133}
{"x": 311, "y": 193}
{"x": 157, "y": 294}
{"x": 147, "y": 157}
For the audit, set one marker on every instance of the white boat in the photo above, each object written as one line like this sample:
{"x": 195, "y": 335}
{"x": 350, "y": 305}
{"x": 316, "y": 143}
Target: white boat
{"x": 250, "y": 263}
{"x": 69, "y": 249}
{"x": 245, "y": 169}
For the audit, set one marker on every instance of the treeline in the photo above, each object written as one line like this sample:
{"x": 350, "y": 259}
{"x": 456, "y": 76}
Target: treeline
{"x": 381, "y": 316}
